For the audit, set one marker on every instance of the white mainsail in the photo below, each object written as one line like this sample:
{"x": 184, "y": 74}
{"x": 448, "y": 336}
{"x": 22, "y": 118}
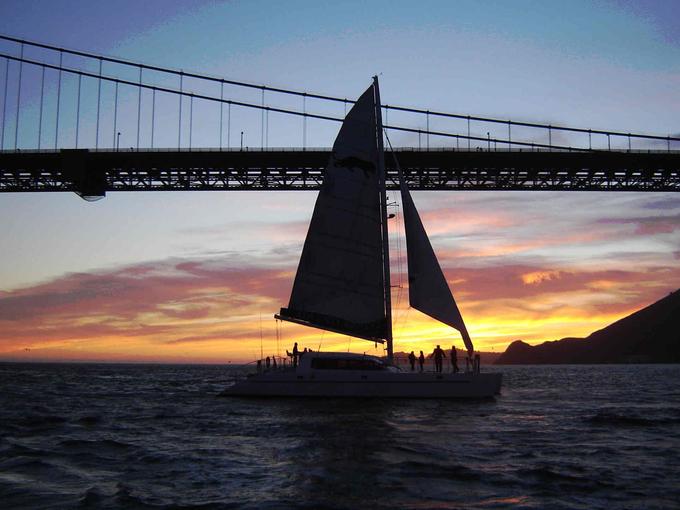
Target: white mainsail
{"x": 428, "y": 290}
{"x": 340, "y": 284}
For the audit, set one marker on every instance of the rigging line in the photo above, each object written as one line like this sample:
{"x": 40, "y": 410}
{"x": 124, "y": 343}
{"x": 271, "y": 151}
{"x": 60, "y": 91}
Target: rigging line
{"x": 4, "y": 106}
{"x": 42, "y": 99}
{"x": 99, "y": 102}
{"x": 323, "y": 96}
{"x": 400, "y": 177}
{"x": 16, "y": 126}
{"x": 261, "y": 348}
{"x": 323, "y": 332}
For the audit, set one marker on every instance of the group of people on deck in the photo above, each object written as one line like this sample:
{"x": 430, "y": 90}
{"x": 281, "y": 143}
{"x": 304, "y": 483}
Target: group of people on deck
{"x": 438, "y": 355}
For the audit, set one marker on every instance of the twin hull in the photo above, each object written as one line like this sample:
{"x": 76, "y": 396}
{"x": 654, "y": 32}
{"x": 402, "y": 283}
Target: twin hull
{"x": 291, "y": 383}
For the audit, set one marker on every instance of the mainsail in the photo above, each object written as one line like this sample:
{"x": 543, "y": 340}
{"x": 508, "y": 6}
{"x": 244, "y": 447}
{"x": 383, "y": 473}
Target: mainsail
{"x": 428, "y": 290}
{"x": 340, "y": 281}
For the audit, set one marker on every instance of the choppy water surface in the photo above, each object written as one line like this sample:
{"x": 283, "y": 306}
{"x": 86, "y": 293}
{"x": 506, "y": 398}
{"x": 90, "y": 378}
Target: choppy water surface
{"x": 110, "y": 436}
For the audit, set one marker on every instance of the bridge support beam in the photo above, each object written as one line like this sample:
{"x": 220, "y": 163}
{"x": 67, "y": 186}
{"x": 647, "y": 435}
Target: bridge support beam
{"x": 92, "y": 174}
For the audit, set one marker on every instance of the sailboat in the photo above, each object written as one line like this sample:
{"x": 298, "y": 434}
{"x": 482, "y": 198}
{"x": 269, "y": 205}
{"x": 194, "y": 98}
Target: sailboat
{"x": 343, "y": 282}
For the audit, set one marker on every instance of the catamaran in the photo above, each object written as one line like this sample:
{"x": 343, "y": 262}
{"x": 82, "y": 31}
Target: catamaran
{"x": 343, "y": 282}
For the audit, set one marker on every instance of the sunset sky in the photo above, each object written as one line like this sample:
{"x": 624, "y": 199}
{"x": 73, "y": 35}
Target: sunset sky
{"x": 197, "y": 276}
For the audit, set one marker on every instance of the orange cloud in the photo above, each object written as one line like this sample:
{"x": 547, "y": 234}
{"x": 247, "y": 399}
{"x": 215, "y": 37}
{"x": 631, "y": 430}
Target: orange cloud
{"x": 209, "y": 311}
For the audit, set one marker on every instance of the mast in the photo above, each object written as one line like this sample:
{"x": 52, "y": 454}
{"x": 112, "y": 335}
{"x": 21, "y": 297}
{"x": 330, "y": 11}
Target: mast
{"x": 382, "y": 177}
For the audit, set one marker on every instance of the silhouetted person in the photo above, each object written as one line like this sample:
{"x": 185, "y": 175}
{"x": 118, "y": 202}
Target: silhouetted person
{"x": 267, "y": 362}
{"x": 438, "y": 354}
{"x": 421, "y": 360}
{"x": 412, "y": 361}
{"x": 274, "y": 362}
{"x": 296, "y": 353}
{"x": 259, "y": 366}
{"x": 454, "y": 360}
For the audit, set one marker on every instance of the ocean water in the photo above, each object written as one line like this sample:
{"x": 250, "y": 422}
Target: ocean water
{"x": 157, "y": 436}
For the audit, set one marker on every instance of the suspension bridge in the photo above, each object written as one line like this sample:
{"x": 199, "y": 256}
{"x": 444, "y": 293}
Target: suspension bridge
{"x": 86, "y": 123}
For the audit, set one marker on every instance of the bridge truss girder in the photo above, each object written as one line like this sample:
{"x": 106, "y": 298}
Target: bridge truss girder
{"x": 93, "y": 173}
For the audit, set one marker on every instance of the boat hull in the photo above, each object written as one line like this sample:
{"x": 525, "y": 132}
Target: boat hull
{"x": 382, "y": 385}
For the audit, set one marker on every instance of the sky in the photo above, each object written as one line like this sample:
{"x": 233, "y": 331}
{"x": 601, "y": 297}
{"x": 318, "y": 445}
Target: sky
{"x": 197, "y": 276}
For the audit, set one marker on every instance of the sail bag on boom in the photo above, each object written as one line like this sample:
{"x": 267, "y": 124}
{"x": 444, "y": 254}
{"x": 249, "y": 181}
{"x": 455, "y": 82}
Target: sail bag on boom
{"x": 339, "y": 285}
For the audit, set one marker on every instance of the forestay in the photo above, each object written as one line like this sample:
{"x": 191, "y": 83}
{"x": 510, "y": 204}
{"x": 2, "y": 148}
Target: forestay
{"x": 339, "y": 285}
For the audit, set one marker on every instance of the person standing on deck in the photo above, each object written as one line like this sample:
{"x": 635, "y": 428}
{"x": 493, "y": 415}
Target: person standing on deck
{"x": 296, "y": 353}
{"x": 412, "y": 361}
{"x": 454, "y": 360}
{"x": 421, "y": 360}
{"x": 438, "y": 354}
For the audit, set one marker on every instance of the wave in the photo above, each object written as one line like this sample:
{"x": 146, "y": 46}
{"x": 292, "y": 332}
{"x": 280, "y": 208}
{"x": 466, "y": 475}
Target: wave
{"x": 630, "y": 419}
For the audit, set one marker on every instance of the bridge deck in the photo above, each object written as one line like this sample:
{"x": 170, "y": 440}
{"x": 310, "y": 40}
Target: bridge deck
{"x": 93, "y": 173}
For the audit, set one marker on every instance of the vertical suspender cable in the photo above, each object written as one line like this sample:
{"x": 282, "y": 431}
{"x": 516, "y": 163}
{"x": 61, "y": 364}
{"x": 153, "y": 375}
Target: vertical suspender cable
{"x": 428, "y": 129}
{"x": 221, "y": 111}
{"x": 179, "y": 127}
{"x": 468, "y": 126}
{"x": 304, "y": 122}
{"x": 56, "y": 125}
{"x": 16, "y": 126}
{"x": 229, "y": 126}
{"x": 4, "y": 106}
{"x": 99, "y": 103}
{"x": 139, "y": 104}
{"x": 153, "y": 114}
{"x": 266, "y": 138}
{"x": 262, "y": 121}
{"x": 191, "y": 118}
{"x": 42, "y": 99}
{"x": 80, "y": 79}
{"x": 509, "y": 135}
{"x": 115, "y": 116}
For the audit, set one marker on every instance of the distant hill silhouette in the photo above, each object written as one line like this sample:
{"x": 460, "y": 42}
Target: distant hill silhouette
{"x": 650, "y": 335}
